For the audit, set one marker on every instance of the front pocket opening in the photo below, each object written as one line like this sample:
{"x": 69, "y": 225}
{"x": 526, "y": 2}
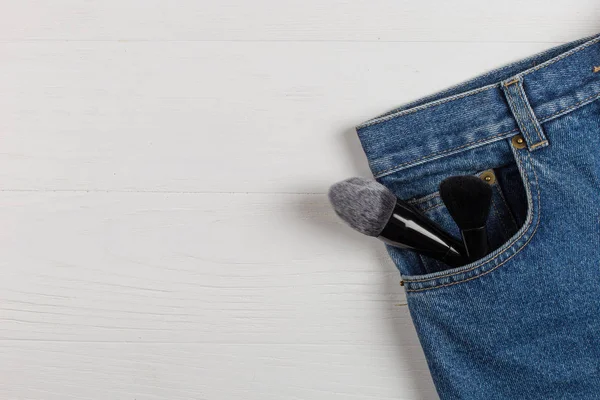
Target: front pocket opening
{"x": 510, "y": 210}
{"x": 502, "y": 220}
{"x": 502, "y": 255}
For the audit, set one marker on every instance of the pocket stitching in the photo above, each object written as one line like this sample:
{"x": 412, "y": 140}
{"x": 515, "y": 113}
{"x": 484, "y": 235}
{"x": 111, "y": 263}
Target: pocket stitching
{"x": 408, "y": 281}
{"x": 432, "y": 207}
{"x": 396, "y": 168}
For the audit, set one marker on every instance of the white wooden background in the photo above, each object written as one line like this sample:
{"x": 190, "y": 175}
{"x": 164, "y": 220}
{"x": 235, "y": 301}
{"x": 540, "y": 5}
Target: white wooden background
{"x": 165, "y": 232}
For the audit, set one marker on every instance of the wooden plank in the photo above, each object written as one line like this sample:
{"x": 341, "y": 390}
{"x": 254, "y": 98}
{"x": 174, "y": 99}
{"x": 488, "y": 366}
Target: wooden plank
{"x": 60, "y": 370}
{"x": 107, "y": 295}
{"x": 342, "y": 20}
{"x": 187, "y": 267}
{"x": 210, "y": 117}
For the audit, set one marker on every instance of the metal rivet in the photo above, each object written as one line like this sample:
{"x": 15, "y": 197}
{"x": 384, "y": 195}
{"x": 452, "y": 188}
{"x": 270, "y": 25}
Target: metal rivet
{"x": 518, "y": 142}
{"x": 401, "y": 283}
{"x": 488, "y": 176}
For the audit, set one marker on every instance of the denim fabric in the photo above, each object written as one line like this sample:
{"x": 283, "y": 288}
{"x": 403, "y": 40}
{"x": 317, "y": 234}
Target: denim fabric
{"x": 523, "y": 322}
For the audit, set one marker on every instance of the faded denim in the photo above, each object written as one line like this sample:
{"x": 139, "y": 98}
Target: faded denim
{"x": 523, "y": 322}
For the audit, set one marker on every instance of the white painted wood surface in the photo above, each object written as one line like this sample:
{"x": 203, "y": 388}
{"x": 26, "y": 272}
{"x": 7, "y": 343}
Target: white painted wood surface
{"x": 163, "y": 167}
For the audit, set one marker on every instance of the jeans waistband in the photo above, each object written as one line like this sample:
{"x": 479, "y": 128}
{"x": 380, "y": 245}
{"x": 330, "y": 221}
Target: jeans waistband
{"x": 483, "y": 110}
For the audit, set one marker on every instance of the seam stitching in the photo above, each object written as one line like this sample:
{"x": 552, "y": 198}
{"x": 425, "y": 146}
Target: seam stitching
{"x": 475, "y": 91}
{"x": 426, "y": 106}
{"x": 542, "y": 120}
{"x": 531, "y": 115}
{"x": 562, "y": 56}
{"x": 545, "y": 119}
{"x": 424, "y": 199}
{"x": 530, "y": 203}
{"x": 433, "y": 207}
{"x": 542, "y": 143}
{"x": 394, "y": 168}
{"x": 520, "y": 120}
{"x": 427, "y": 100}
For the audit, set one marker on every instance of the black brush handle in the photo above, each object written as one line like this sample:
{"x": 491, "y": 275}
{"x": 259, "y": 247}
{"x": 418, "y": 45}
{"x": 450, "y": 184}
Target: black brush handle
{"x": 476, "y": 243}
{"x": 410, "y": 229}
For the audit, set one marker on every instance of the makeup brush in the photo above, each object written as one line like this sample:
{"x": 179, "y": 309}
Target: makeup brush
{"x": 372, "y": 209}
{"x": 468, "y": 201}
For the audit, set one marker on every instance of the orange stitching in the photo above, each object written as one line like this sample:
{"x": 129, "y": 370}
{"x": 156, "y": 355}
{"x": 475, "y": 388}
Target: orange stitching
{"x": 542, "y": 120}
{"x": 539, "y": 144}
{"x": 507, "y": 84}
{"x": 597, "y": 69}
{"x": 530, "y": 203}
{"x": 394, "y": 168}
{"x": 518, "y": 117}
{"x": 531, "y": 117}
{"x": 481, "y": 274}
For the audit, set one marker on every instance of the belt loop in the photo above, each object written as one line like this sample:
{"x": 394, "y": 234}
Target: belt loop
{"x": 528, "y": 124}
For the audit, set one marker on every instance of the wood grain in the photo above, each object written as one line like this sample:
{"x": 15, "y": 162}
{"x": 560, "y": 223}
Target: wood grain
{"x": 210, "y": 117}
{"x": 294, "y": 20}
{"x": 107, "y": 295}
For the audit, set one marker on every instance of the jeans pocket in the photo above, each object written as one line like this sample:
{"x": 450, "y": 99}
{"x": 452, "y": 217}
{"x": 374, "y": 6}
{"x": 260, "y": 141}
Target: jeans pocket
{"x": 513, "y": 220}
{"x": 501, "y": 223}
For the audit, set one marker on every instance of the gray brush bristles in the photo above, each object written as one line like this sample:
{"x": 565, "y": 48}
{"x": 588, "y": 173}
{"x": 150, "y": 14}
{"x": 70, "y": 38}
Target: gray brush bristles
{"x": 364, "y": 204}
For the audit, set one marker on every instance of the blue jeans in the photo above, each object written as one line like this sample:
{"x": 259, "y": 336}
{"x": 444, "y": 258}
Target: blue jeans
{"x": 523, "y": 322}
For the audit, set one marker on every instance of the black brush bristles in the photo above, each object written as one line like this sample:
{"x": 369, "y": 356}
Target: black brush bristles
{"x": 467, "y": 199}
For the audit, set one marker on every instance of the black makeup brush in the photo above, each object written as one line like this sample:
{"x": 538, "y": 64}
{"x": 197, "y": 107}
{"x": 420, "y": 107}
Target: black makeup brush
{"x": 468, "y": 201}
{"x": 372, "y": 209}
